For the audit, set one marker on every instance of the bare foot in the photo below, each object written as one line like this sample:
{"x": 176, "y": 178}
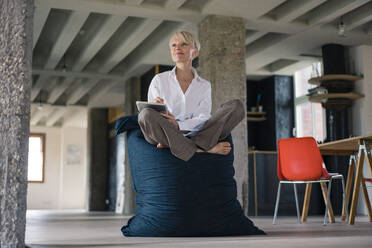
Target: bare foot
{"x": 160, "y": 146}
{"x": 222, "y": 148}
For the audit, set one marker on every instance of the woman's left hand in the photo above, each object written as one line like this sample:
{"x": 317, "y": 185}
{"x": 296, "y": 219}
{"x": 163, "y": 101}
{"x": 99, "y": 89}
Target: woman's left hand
{"x": 171, "y": 119}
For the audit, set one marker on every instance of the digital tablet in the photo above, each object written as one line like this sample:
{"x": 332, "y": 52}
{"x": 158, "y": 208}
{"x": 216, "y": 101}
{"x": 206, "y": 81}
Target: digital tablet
{"x": 156, "y": 106}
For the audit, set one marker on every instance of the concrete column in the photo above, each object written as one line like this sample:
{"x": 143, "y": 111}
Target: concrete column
{"x": 97, "y": 159}
{"x": 16, "y": 18}
{"x": 132, "y": 94}
{"x": 221, "y": 61}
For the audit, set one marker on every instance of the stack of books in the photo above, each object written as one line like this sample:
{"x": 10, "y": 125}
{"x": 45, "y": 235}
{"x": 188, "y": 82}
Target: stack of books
{"x": 320, "y": 90}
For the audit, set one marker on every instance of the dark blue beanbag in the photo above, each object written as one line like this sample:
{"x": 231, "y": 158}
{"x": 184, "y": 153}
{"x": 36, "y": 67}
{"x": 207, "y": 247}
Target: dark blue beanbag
{"x": 178, "y": 198}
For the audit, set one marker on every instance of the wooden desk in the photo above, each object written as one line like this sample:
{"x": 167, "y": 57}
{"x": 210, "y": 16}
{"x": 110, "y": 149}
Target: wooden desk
{"x": 357, "y": 148}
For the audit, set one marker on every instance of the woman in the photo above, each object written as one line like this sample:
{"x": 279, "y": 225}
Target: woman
{"x": 188, "y": 127}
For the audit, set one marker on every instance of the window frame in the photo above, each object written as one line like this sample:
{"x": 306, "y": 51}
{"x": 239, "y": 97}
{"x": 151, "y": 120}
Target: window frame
{"x": 298, "y": 100}
{"x": 42, "y": 137}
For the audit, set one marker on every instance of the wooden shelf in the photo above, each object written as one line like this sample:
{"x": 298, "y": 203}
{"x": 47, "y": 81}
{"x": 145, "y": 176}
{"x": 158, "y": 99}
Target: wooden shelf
{"x": 255, "y": 113}
{"x": 334, "y": 77}
{"x": 256, "y": 118}
{"x": 324, "y": 97}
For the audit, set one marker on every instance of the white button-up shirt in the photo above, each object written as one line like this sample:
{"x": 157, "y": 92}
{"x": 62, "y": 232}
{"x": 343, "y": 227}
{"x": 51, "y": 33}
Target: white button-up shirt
{"x": 192, "y": 108}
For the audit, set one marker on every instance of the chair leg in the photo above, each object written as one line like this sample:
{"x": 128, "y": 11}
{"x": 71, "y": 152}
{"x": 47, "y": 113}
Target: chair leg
{"x": 277, "y": 203}
{"x": 345, "y": 205}
{"x": 297, "y": 208}
{"x": 331, "y": 216}
{"x": 328, "y": 200}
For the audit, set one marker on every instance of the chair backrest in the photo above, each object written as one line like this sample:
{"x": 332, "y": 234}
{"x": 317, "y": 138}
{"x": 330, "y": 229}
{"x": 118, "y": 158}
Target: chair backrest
{"x": 300, "y": 159}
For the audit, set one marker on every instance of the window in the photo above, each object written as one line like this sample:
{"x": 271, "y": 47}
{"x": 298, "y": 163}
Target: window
{"x": 310, "y": 117}
{"x": 36, "y": 158}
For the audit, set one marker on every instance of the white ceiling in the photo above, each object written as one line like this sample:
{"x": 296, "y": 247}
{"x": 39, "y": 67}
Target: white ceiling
{"x": 85, "y": 50}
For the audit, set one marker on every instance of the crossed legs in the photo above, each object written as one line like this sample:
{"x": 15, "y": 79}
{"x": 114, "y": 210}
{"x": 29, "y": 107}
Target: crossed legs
{"x": 156, "y": 129}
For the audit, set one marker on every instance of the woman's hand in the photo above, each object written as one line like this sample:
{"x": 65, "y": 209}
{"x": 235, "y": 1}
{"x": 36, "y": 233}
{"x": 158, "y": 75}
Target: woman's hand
{"x": 158, "y": 100}
{"x": 170, "y": 118}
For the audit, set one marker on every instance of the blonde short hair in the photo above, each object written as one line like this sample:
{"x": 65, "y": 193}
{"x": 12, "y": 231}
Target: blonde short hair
{"x": 188, "y": 37}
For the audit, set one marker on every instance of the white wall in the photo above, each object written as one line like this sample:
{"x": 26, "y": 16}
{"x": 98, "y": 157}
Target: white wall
{"x": 74, "y": 168}
{"x": 65, "y": 178}
{"x": 361, "y": 62}
{"x": 45, "y": 195}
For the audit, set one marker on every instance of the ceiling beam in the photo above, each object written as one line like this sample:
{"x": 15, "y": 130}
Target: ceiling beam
{"x": 100, "y": 91}
{"x": 39, "y": 84}
{"x": 253, "y": 35}
{"x": 358, "y": 17}
{"x": 42, "y": 111}
{"x": 121, "y": 9}
{"x": 88, "y": 75}
{"x": 110, "y": 26}
{"x": 332, "y": 10}
{"x": 36, "y": 105}
{"x": 143, "y": 30}
{"x": 102, "y": 35}
{"x": 60, "y": 88}
{"x": 58, "y": 113}
{"x": 134, "y": 2}
{"x": 174, "y": 4}
{"x": 295, "y": 8}
{"x": 40, "y": 17}
{"x": 368, "y": 29}
{"x": 263, "y": 43}
{"x": 70, "y": 30}
{"x": 81, "y": 91}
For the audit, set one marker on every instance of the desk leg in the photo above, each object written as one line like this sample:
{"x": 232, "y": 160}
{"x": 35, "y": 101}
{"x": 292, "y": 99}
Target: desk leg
{"x": 305, "y": 208}
{"x": 349, "y": 181}
{"x": 365, "y": 192}
{"x": 358, "y": 178}
{"x": 366, "y": 201}
{"x": 331, "y": 216}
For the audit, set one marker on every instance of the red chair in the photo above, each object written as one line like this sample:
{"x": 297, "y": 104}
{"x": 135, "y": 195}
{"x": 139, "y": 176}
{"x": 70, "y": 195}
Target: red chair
{"x": 300, "y": 161}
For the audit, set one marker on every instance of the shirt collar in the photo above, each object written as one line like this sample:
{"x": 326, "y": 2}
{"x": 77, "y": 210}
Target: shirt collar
{"x": 196, "y": 75}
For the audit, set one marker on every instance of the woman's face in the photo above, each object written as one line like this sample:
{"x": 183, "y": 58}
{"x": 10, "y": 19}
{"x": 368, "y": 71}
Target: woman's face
{"x": 181, "y": 51}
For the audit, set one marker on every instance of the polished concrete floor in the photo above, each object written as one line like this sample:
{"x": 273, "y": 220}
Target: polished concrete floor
{"x": 78, "y": 229}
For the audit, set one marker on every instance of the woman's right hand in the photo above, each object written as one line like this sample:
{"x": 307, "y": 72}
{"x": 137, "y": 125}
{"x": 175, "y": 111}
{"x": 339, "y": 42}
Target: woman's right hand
{"x": 158, "y": 100}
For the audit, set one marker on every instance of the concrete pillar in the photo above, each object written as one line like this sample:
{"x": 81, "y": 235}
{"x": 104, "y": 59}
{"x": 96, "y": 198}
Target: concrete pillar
{"x": 132, "y": 94}
{"x": 221, "y": 61}
{"x": 16, "y": 18}
{"x": 97, "y": 159}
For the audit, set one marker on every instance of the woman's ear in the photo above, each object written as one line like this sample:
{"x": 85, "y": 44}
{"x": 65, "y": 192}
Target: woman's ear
{"x": 194, "y": 53}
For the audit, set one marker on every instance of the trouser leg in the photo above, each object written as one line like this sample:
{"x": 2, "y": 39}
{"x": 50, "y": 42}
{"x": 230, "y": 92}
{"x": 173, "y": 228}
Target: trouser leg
{"x": 221, "y": 123}
{"x": 156, "y": 129}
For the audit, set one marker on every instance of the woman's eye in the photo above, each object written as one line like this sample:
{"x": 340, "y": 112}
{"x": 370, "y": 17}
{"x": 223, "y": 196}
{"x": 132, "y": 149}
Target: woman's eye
{"x": 184, "y": 44}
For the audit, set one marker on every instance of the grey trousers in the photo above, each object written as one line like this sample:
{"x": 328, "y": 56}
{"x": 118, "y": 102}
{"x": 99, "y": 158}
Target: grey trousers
{"x": 157, "y": 129}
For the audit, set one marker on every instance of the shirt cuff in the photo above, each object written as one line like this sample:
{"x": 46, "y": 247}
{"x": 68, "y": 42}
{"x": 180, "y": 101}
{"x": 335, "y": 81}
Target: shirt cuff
{"x": 181, "y": 125}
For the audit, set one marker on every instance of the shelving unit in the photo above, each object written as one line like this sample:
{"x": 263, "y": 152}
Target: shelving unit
{"x": 323, "y": 97}
{"x": 256, "y": 116}
{"x": 333, "y": 78}
{"x": 339, "y": 87}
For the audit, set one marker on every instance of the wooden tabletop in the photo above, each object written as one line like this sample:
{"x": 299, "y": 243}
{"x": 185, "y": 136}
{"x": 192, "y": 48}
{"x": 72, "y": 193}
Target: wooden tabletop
{"x": 347, "y": 146}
